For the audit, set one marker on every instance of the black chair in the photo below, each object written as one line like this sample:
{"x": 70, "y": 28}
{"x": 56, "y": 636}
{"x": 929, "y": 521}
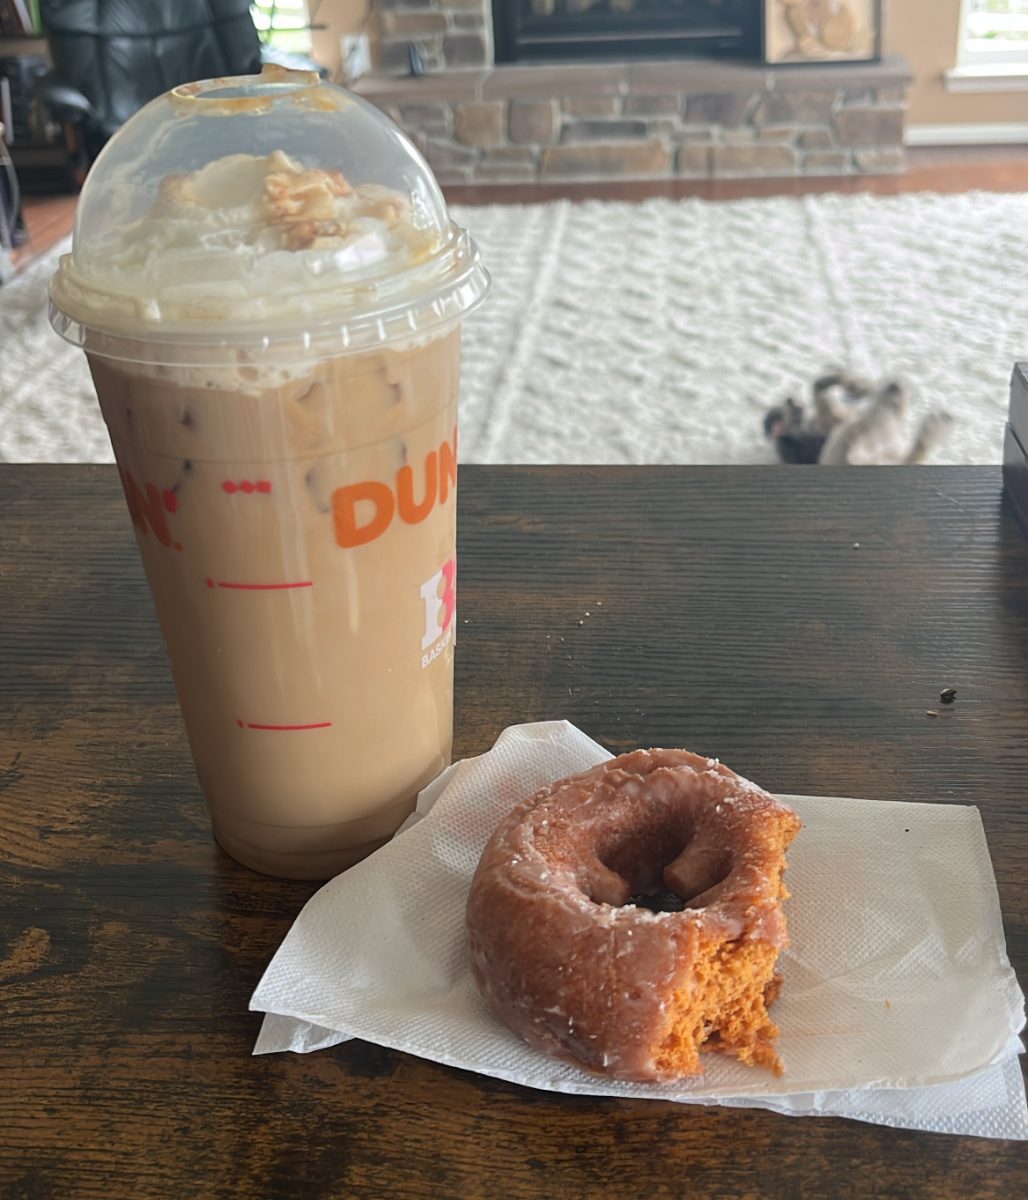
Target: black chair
{"x": 110, "y": 57}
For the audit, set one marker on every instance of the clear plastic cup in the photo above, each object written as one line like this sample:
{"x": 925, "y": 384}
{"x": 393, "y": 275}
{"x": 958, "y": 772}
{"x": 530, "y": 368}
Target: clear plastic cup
{"x": 269, "y": 290}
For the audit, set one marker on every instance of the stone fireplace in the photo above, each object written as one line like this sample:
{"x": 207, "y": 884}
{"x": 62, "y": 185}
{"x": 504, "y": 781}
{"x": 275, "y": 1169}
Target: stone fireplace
{"x": 705, "y": 108}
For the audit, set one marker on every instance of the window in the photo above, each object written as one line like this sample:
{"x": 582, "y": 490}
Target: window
{"x": 284, "y": 24}
{"x": 994, "y": 32}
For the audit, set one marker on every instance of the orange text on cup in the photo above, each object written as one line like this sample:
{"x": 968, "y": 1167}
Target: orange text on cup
{"x": 364, "y": 511}
{"x": 147, "y": 509}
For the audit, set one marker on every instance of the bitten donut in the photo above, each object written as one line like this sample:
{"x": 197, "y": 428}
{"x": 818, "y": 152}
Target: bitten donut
{"x": 565, "y": 951}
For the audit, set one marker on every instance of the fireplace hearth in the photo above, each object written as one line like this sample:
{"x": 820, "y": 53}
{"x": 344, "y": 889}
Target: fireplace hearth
{"x": 583, "y": 101}
{"x": 547, "y": 30}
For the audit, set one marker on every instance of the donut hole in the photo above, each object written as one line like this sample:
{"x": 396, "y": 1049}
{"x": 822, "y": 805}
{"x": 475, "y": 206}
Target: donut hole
{"x": 639, "y": 859}
{"x": 701, "y": 889}
{"x": 659, "y": 901}
{"x": 666, "y": 870}
{"x": 697, "y": 874}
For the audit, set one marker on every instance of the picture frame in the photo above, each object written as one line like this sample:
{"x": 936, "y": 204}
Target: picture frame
{"x": 821, "y": 31}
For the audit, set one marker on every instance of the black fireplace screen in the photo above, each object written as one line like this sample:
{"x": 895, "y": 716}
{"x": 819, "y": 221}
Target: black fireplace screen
{"x": 567, "y": 29}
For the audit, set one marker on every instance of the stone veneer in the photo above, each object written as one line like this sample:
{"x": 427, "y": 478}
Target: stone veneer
{"x": 651, "y": 120}
{"x": 447, "y": 34}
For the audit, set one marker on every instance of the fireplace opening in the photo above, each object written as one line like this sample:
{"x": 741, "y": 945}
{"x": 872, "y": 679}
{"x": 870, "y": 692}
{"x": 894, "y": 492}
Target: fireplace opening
{"x": 534, "y": 30}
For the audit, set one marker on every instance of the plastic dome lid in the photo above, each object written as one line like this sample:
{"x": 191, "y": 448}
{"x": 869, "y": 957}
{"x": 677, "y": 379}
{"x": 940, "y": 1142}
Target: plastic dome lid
{"x": 276, "y": 212}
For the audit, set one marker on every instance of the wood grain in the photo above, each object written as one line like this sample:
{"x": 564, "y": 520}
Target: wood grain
{"x": 48, "y": 219}
{"x": 796, "y": 623}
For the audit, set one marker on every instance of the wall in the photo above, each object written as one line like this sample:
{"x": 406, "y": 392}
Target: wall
{"x": 925, "y": 31}
{"x": 341, "y": 17}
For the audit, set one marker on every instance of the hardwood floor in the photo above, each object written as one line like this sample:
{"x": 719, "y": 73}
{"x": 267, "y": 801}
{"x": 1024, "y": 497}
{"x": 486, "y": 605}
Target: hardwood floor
{"x": 47, "y": 219}
{"x": 934, "y": 169}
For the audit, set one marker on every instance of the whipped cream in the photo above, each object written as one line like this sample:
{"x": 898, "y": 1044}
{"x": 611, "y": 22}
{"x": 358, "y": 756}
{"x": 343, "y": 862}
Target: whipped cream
{"x": 248, "y": 238}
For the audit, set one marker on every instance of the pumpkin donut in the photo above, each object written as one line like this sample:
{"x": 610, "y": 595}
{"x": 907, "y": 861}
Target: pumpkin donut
{"x": 568, "y": 943}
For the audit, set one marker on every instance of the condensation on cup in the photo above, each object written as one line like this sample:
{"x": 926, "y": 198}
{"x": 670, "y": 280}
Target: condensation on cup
{"x": 269, "y": 291}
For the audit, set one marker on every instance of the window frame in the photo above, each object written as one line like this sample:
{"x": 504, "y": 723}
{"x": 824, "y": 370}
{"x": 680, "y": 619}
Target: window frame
{"x": 299, "y": 35}
{"x": 1002, "y": 56}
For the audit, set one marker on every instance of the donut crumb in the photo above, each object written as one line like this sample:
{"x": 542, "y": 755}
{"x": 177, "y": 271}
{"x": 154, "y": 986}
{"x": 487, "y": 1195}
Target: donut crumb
{"x": 724, "y": 1006}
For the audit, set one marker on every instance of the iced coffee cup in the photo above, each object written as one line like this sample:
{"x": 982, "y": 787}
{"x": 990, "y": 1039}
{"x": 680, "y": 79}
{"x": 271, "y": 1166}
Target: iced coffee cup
{"x": 269, "y": 290}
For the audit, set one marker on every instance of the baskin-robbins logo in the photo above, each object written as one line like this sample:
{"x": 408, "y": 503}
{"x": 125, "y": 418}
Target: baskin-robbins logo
{"x": 439, "y": 595}
{"x": 364, "y": 511}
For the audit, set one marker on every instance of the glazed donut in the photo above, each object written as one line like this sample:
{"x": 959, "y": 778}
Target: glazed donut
{"x": 568, "y": 956}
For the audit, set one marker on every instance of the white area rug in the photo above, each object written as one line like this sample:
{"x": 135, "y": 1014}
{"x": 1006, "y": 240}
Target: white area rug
{"x": 659, "y": 332}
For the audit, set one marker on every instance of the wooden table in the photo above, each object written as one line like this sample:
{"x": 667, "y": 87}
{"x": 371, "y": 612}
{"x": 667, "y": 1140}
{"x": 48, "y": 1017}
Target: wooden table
{"x": 798, "y": 623}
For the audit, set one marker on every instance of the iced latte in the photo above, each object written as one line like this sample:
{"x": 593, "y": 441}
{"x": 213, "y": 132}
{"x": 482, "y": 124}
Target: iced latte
{"x": 275, "y": 347}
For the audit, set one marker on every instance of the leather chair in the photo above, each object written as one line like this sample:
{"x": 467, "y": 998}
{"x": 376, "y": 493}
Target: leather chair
{"x": 110, "y": 57}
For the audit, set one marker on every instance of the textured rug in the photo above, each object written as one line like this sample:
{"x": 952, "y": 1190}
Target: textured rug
{"x": 659, "y": 332}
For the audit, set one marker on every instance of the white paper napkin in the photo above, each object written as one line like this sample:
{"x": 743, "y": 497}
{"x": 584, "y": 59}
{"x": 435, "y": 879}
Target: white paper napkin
{"x": 899, "y": 1004}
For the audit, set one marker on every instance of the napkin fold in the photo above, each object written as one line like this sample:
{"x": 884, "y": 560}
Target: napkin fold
{"x": 899, "y": 1005}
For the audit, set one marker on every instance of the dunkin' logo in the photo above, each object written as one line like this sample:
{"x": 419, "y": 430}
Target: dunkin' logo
{"x": 361, "y": 512}
{"x": 149, "y": 508}
{"x": 364, "y": 511}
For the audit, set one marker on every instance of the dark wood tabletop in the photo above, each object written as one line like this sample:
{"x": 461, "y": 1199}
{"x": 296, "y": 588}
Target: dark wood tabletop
{"x": 797, "y": 623}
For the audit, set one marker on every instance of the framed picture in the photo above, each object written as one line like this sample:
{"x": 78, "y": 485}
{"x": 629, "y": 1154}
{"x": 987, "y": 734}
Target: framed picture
{"x": 820, "y": 31}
